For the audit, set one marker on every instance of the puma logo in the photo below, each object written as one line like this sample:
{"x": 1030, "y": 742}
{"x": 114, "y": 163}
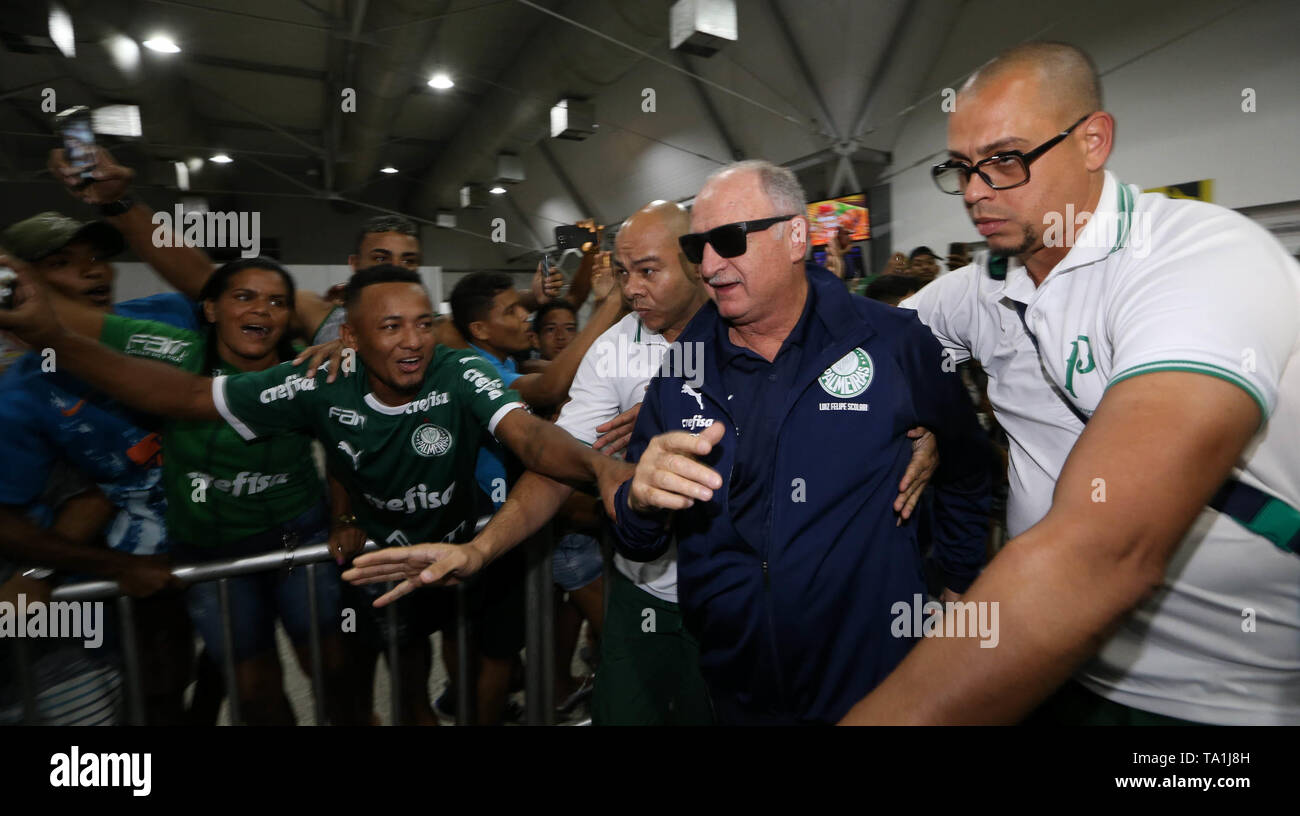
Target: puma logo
{"x": 691, "y": 392}
{"x": 353, "y": 454}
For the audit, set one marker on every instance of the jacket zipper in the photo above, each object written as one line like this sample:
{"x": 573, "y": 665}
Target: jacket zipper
{"x": 771, "y": 632}
{"x": 767, "y": 574}
{"x": 769, "y": 602}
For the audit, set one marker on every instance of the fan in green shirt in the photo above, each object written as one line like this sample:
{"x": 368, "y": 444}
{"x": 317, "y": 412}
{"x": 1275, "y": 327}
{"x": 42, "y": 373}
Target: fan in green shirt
{"x": 402, "y": 433}
{"x": 227, "y": 497}
{"x": 220, "y": 489}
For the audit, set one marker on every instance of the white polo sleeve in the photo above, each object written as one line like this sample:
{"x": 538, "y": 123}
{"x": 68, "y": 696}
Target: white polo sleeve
{"x": 1222, "y": 299}
{"x": 948, "y": 307}
{"x": 594, "y": 395}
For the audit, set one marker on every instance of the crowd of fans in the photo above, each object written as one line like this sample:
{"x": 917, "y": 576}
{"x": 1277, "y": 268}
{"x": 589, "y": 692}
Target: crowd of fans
{"x": 745, "y": 464}
{"x": 98, "y": 489}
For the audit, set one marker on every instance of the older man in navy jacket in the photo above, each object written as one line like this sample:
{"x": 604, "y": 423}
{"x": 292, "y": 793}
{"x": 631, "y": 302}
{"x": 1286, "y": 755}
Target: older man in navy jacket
{"x": 791, "y": 559}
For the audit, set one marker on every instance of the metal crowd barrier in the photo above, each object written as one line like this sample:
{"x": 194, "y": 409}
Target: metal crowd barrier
{"x": 539, "y": 662}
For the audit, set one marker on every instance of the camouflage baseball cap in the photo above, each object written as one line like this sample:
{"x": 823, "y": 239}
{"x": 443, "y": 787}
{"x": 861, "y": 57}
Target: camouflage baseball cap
{"x": 44, "y": 234}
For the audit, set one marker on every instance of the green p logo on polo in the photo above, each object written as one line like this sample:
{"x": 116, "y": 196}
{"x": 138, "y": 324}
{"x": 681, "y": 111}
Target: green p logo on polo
{"x": 849, "y": 376}
{"x": 1075, "y": 363}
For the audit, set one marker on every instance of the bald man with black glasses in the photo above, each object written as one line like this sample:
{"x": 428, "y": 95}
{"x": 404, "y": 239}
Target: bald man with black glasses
{"x": 1152, "y": 554}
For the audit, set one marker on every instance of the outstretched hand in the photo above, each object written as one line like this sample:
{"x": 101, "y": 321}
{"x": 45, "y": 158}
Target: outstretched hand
{"x": 419, "y": 565}
{"x": 669, "y": 475}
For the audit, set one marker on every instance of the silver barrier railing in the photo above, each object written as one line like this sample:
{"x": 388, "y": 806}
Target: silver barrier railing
{"x": 539, "y": 634}
{"x": 539, "y": 662}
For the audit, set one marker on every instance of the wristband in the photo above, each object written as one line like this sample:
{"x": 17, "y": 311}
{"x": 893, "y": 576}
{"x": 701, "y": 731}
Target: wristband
{"x": 117, "y": 207}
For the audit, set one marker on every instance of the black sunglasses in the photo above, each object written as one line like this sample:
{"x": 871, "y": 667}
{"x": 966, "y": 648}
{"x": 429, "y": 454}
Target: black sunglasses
{"x": 728, "y": 240}
{"x": 1001, "y": 171}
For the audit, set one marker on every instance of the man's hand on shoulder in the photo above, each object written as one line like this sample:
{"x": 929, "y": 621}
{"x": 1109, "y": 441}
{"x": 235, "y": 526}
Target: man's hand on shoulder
{"x": 341, "y": 358}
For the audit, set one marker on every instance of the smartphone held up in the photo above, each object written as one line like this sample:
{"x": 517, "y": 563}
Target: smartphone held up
{"x": 75, "y": 128}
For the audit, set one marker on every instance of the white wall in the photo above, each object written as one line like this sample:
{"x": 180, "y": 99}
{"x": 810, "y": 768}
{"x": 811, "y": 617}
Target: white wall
{"x": 1178, "y": 109}
{"x": 308, "y": 231}
{"x": 136, "y": 280}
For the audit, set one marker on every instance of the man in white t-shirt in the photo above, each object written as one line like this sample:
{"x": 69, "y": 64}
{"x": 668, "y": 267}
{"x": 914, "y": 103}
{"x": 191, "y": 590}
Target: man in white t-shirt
{"x": 649, "y": 672}
{"x": 1168, "y": 328}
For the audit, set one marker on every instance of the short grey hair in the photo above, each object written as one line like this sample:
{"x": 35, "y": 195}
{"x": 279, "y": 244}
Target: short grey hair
{"x": 780, "y": 184}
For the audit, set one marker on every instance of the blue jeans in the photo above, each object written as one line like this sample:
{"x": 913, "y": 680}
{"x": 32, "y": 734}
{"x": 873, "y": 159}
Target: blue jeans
{"x": 576, "y": 561}
{"x": 257, "y": 600}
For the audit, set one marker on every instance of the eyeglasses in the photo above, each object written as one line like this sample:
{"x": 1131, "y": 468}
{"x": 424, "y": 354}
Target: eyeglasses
{"x": 1001, "y": 171}
{"x": 728, "y": 240}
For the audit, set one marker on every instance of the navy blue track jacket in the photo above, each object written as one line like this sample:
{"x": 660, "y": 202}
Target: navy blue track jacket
{"x": 797, "y": 628}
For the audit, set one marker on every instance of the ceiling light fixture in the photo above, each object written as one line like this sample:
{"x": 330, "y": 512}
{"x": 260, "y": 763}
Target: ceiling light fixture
{"x": 573, "y": 119}
{"x": 221, "y": 158}
{"x": 163, "y": 45}
{"x": 441, "y": 81}
{"x": 124, "y": 52}
{"x": 61, "y": 31}
{"x": 497, "y": 190}
{"x": 389, "y": 169}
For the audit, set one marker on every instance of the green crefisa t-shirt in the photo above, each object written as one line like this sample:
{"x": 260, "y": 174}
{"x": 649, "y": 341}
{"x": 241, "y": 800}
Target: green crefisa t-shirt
{"x": 409, "y": 469}
{"x": 220, "y": 488}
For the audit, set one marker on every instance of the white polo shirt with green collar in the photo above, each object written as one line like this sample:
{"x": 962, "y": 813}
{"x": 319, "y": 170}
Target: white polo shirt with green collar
{"x": 1156, "y": 284}
{"x": 611, "y": 379}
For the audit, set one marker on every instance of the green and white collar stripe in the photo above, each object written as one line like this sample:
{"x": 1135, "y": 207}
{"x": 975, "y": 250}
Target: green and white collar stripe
{"x": 1125, "y": 203}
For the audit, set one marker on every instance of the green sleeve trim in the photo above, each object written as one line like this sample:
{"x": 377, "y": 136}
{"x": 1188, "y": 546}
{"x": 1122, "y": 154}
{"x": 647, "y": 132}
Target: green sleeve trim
{"x": 1197, "y": 367}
